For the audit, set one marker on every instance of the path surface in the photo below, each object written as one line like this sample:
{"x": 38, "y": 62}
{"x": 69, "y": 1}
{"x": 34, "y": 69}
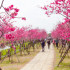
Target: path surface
{"x": 42, "y": 61}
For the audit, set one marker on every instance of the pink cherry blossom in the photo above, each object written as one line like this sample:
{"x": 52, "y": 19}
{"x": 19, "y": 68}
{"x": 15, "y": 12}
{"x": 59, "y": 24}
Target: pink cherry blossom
{"x": 23, "y": 18}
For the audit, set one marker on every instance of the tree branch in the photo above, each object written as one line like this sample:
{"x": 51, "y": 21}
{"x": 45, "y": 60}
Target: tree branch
{"x": 2, "y": 4}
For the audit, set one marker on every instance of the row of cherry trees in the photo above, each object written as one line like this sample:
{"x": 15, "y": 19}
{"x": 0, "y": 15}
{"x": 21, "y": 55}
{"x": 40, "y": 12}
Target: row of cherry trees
{"x": 25, "y": 34}
{"x": 62, "y": 31}
{"x": 14, "y": 35}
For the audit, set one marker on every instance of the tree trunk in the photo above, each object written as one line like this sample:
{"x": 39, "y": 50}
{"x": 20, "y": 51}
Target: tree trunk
{"x": 64, "y": 55}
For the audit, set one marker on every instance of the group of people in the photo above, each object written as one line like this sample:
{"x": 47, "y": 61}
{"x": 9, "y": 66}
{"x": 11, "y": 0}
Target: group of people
{"x": 43, "y": 44}
{"x": 57, "y": 41}
{"x": 48, "y": 43}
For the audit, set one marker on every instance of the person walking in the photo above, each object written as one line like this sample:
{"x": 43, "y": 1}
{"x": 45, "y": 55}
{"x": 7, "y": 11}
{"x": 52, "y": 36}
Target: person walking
{"x": 57, "y": 41}
{"x": 48, "y": 42}
{"x": 43, "y": 45}
{"x": 53, "y": 42}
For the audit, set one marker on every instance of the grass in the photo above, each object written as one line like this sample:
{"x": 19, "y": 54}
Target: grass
{"x": 65, "y": 65}
{"x": 4, "y": 52}
{"x": 24, "y": 59}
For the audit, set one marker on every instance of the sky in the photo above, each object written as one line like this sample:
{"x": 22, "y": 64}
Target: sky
{"x": 34, "y": 14}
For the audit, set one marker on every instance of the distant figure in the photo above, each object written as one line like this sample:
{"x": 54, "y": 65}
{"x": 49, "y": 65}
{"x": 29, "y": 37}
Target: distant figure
{"x": 57, "y": 41}
{"x": 43, "y": 45}
{"x": 53, "y": 42}
{"x": 48, "y": 42}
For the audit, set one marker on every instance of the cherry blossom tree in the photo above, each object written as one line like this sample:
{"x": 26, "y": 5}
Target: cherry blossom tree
{"x": 61, "y": 7}
{"x": 6, "y": 17}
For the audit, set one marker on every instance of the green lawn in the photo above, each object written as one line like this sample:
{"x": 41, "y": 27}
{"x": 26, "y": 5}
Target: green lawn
{"x": 65, "y": 65}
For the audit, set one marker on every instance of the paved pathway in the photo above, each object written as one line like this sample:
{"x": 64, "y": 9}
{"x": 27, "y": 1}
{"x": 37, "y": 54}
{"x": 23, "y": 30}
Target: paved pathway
{"x": 42, "y": 61}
